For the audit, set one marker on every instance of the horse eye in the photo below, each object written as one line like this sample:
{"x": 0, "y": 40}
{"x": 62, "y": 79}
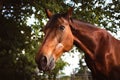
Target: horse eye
{"x": 62, "y": 28}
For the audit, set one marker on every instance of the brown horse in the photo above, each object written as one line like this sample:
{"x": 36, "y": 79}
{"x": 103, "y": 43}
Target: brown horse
{"x": 102, "y": 51}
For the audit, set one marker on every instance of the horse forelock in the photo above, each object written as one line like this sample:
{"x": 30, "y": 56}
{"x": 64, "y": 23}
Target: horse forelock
{"x": 54, "y": 20}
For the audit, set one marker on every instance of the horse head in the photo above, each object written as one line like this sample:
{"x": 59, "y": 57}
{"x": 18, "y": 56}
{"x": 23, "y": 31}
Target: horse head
{"x": 58, "y": 39}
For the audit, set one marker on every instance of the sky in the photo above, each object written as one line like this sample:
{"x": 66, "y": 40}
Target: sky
{"x": 71, "y": 58}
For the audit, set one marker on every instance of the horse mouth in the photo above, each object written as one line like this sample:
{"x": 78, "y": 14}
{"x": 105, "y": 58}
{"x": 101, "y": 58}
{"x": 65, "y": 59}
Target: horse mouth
{"x": 47, "y": 66}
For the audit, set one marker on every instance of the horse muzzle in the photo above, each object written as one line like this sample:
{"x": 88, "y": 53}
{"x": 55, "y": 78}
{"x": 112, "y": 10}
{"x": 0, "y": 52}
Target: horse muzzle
{"x": 45, "y": 64}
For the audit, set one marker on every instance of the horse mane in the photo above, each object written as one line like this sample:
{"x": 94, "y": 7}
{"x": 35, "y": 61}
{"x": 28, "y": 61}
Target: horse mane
{"x": 75, "y": 24}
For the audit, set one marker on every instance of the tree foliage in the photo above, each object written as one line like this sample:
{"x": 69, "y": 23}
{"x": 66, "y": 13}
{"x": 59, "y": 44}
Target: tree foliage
{"x": 100, "y": 12}
{"x": 19, "y": 42}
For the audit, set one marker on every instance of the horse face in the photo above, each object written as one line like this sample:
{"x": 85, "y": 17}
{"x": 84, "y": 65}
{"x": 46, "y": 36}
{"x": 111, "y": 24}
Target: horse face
{"x": 58, "y": 39}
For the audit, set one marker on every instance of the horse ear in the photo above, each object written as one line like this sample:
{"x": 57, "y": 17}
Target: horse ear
{"x": 69, "y": 13}
{"x": 48, "y": 13}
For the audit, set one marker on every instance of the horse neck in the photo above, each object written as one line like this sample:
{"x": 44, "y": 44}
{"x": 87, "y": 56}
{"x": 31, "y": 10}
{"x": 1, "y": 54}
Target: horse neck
{"x": 83, "y": 36}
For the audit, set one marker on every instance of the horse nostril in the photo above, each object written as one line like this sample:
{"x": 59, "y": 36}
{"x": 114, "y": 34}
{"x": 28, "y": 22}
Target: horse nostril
{"x": 43, "y": 61}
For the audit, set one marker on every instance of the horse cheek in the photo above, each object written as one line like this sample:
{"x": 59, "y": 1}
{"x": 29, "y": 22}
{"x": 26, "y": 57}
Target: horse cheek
{"x": 69, "y": 43}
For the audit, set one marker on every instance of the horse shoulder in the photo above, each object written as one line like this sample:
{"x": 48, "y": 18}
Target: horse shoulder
{"x": 110, "y": 55}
